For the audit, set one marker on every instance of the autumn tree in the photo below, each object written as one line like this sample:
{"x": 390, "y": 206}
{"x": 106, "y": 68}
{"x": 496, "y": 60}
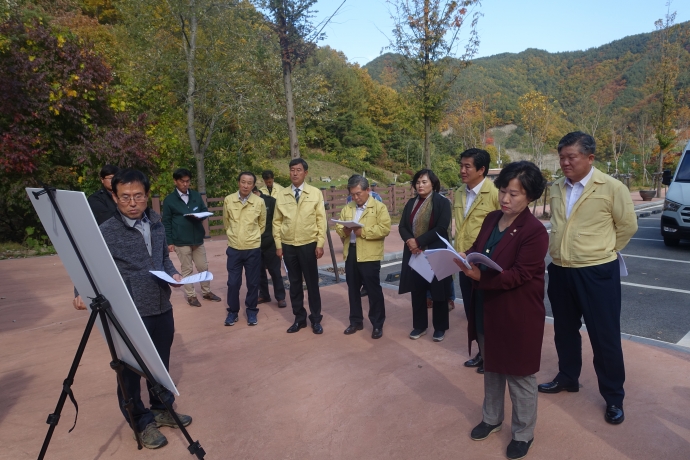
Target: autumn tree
{"x": 59, "y": 119}
{"x": 538, "y": 114}
{"x": 426, "y": 34}
{"x": 668, "y": 42}
{"x": 291, "y": 21}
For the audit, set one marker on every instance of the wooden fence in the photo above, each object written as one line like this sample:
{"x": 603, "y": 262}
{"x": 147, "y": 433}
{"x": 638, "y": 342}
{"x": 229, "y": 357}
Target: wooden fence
{"x": 393, "y": 196}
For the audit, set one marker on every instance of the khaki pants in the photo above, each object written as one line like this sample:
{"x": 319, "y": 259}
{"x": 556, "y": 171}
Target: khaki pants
{"x": 196, "y": 254}
{"x": 523, "y": 394}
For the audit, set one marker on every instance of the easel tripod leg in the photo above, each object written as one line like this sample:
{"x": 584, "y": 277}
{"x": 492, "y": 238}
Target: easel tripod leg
{"x": 54, "y": 418}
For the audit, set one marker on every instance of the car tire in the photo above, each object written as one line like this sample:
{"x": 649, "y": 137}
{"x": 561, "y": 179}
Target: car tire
{"x": 672, "y": 242}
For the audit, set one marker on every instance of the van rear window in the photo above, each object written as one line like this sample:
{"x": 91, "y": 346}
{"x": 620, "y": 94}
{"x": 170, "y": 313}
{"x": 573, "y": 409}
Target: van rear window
{"x": 683, "y": 174}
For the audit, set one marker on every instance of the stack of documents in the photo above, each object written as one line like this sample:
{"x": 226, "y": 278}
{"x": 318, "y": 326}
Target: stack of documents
{"x": 196, "y": 278}
{"x": 348, "y": 223}
{"x": 199, "y": 215}
{"x": 441, "y": 262}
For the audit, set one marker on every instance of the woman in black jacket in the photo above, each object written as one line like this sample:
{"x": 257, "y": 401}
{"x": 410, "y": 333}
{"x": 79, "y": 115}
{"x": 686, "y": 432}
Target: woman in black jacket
{"x": 425, "y": 216}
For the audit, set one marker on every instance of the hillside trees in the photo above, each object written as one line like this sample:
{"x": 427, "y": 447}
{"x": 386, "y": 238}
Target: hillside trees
{"x": 538, "y": 115}
{"x": 213, "y": 97}
{"x": 59, "y": 118}
{"x": 668, "y": 43}
{"x": 425, "y": 35}
{"x": 291, "y": 21}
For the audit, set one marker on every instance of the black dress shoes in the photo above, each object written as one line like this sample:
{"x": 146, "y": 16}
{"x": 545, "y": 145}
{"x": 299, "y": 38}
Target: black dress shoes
{"x": 614, "y": 414}
{"x": 480, "y": 369}
{"x": 474, "y": 362}
{"x": 377, "y": 333}
{"x": 518, "y": 449}
{"x": 296, "y": 327}
{"x": 556, "y": 387}
{"x": 352, "y": 328}
{"x": 316, "y": 328}
{"x": 483, "y": 430}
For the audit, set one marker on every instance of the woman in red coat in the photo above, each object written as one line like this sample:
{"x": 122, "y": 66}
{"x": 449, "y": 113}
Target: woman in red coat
{"x": 507, "y": 318}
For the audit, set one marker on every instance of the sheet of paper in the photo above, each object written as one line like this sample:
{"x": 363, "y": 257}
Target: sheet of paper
{"x": 420, "y": 264}
{"x": 442, "y": 262}
{"x": 621, "y": 262}
{"x": 200, "y": 215}
{"x": 195, "y": 278}
{"x": 348, "y": 223}
{"x": 479, "y": 258}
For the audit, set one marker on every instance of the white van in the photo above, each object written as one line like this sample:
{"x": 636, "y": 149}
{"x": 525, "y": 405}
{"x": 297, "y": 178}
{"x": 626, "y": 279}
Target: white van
{"x": 675, "y": 220}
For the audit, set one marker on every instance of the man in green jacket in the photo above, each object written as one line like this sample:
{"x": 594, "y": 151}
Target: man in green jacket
{"x": 185, "y": 233}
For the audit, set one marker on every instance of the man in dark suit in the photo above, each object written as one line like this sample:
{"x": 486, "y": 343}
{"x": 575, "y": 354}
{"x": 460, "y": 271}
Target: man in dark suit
{"x": 101, "y": 202}
{"x": 269, "y": 260}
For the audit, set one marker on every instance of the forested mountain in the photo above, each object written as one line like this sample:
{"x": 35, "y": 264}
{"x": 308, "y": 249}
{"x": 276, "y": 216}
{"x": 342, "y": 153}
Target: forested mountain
{"x": 89, "y": 82}
{"x": 617, "y": 74}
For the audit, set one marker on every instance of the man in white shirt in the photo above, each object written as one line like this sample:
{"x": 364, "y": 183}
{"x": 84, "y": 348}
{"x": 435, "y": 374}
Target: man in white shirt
{"x": 476, "y": 198}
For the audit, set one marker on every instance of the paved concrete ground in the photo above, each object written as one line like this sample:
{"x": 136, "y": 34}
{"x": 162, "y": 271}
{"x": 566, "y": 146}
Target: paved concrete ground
{"x": 259, "y": 393}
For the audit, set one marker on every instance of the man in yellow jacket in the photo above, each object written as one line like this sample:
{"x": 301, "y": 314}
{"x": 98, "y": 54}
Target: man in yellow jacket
{"x": 299, "y": 231}
{"x": 592, "y": 219}
{"x": 271, "y": 188}
{"x": 363, "y": 253}
{"x": 244, "y": 218}
{"x": 476, "y": 198}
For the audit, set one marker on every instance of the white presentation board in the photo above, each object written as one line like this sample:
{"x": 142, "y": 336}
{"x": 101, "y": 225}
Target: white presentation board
{"x": 87, "y": 237}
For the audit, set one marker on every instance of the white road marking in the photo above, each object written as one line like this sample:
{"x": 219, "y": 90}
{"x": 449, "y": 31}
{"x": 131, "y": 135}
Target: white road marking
{"x": 658, "y": 258}
{"x": 685, "y": 341}
{"x": 648, "y": 218}
{"x": 391, "y": 264}
{"x": 646, "y": 239}
{"x": 654, "y": 228}
{"x": 659, "y": 288}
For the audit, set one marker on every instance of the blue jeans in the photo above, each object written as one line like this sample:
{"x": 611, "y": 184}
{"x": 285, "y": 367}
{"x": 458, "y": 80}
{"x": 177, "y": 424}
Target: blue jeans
{"x": 250, "y": 260}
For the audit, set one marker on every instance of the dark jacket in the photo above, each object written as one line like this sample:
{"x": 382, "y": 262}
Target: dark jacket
{"x": 181, "y": 230}
{"x": 267, "y": 241}
{"x": 150, "y": 294}
{"x": 513, "y": 299}
{"x": 102, "y": 205}
{"x": 410, "y": 280}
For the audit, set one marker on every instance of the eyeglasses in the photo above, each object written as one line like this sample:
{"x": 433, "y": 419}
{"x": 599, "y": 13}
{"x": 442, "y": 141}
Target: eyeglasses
{"x": 124, "y": 199}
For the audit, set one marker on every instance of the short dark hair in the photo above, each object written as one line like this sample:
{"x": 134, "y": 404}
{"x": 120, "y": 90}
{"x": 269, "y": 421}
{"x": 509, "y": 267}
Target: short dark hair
{"x": 130, "y": 176}
{"x": 299, "y": 161}
{"x": 435, "y": 182}
{"x": 246, "y": 173}
{"x": 256, "y": 189}
{"x": 529, "y": 175}
{"x": 481, "y": 159}
{"x": 357, "y": 181}
{"x": 181, "y": 173}
{"x": 267, "y": 174}
{"x": 108, "y": 170}
{"x": 585, "y": 143}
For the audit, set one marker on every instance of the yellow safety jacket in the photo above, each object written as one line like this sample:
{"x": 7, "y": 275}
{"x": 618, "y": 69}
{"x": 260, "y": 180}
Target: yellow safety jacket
{"x": 601, "y": 222}
{"x": 467, "y": 228}
{"x": 274, "y": 191}
{"x": 300, "y": 223}
{"x": 244, "y": 223}
{"x": 377, "y": 226}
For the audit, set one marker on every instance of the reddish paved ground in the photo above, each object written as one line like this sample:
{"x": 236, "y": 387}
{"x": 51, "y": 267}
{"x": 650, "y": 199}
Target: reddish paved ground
{"x": 259, "y": 393}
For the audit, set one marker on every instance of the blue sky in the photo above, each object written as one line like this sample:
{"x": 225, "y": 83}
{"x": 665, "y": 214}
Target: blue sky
{"x": 362, "y": 27}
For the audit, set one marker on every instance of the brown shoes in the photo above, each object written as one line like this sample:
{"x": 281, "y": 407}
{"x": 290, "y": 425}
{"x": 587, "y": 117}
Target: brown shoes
{"x": 212, "y": 297}
{"x": 193, "y": 301}
{"x": 282, "y": 304}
